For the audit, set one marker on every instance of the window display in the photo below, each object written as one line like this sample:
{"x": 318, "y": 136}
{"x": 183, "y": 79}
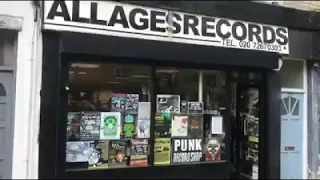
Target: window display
{"x": 109, "y": 116}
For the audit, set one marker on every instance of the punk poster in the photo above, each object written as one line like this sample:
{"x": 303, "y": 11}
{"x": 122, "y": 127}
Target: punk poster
{"x": 179, "y": 126}
{"x": 98, "y": 155}
{"x": 73, "y": 126}
{"x": 90, "y": 126}
{"x": 195, "y": 107}
{"x": 162, "y": 125}
{"x": 110, "y": 125}
{"x": 118, "y": 153}
{"x": 186, "y": 150}
{"x": 77, "y": 151}
{"x": 139, "y": 152}
{"x": 132, "y": 103}
{"x": 128, "y": 125}
{"x": 195, "y": 125}
{"x": 184, "y": 107}
{"x": 162, "y": 151}
{"x": 168, "y": 103}
{"x": 143, "y": 123}
{"x": 143, "y": 128}
{"x": 118, "y": 101}
{"x": 212, "y": 150}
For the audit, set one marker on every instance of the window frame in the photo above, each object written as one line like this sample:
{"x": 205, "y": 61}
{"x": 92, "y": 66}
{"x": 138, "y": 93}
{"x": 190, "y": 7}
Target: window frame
{"x": 68, "y": 58}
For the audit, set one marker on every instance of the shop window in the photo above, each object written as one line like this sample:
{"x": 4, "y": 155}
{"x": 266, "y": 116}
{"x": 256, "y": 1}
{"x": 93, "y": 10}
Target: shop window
{"x": 292, "y": 74}
{"x": 7, "y": 47}
{"x": 109, "y": 116}
{"x": 188, "y": 123}
{"x": 110, "y": 124}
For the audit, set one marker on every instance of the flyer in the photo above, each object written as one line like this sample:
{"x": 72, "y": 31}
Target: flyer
{"x": 98, "y": 155}
{"x": 195, "y": 108}
{"x": 118, "y": 153}
{"x": 179, "y": 126}
{"x": 186, "y": 150}
{"x": 118, "y": 101}
{"x": 143, "y": 123}
{"x": 90, "y": 126}
{"x": 139, "y": 152}
{"x": 168, "y": 103}
{"x": 110, "y": 125}
{"x": 73, "y": 126}
{"x": 128, "y": 126}
{"x": 162, "y": 151}
{"x": 212, "y": 150}
{"x": 77, "y": 151}
{"x": 162, "y": 125}
{"x": 195, "y": 125}
{"x": 132, "y": 103}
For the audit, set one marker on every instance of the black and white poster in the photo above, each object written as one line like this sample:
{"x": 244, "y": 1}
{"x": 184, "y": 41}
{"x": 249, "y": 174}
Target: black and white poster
{"x": 195, "y": 107}
{"x": 118, "y": 101}
{"x": 90, "y": 126}
{"x": 186, "y": 150}
{"x": 168, "y": 103}
{"x": 184, "y": 107}
{"x": 132, "y": 103}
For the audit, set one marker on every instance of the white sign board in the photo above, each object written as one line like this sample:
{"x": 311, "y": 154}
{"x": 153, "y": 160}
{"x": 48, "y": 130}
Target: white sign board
{"x": 125, "y": 20}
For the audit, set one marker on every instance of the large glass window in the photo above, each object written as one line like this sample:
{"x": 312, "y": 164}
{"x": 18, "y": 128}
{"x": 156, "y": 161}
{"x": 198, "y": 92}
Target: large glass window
{"x": 110, "y": 124}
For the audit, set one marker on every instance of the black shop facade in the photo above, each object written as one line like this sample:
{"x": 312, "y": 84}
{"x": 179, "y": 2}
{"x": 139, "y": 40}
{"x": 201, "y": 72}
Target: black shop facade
{"x": 146, "y": 91}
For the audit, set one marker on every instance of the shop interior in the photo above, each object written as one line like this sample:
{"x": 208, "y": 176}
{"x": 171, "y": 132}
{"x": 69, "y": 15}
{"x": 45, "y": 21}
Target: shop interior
{"x": 198, "y": 116}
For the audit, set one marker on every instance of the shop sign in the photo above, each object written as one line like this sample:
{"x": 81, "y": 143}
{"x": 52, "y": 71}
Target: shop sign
{"x": 125, "y": 20}
{"x": 186, "y": 150}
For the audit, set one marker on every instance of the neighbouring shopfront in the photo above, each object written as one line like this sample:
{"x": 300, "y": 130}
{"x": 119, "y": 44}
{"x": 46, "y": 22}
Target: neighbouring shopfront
{"x": 132, "y": 91}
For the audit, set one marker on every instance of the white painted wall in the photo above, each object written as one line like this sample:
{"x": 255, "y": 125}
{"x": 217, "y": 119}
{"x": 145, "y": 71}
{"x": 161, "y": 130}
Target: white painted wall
{"x": 27, "y": 96}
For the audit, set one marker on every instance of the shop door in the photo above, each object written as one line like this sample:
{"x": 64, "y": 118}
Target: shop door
{"x": 291, "y": 135}
{"x": 6, "y": 124}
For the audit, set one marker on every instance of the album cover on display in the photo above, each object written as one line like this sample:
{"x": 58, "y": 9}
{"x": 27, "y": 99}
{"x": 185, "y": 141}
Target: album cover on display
{"x": 118, "y": 101}
{"x": 110, "y": 127}
{"x": 132, "y": 104}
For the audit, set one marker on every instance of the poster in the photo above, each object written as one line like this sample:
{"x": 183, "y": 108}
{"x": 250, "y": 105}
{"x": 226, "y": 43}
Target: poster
{"x": 195, "y": 125}
{"x": 168, "y": 103}
{"x": 162, "y": 125}
{"x": 73, "y": 126}
{"x": 139, "y": 152}
{"x": 186, "y": 150}
{"x": 179, "y": 126}
{"x": 143, "y": 124}
{"x": 98, "y": 156}
{"x": 110, "y": 125}
{"x": 195, "y": 107}
{"x": 184, "y": 107}
{"x": 118, "y": 153}
{"x": 132, "y": 103}
{"x": 90, "y": 126}
{"x": 217, "y": 125}
{"x": 162, "y": 151}
{"x": 77, "y": 151}
{"x": 128, "y": 125}
{"x": 118, "y": 101}
{"x": 212, "y": 150}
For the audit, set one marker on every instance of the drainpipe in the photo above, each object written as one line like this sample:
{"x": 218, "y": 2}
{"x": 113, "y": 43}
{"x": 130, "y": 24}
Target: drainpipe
{"x": 33, "y": 98}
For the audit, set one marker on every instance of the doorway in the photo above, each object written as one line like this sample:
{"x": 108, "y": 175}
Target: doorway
{"x": 246, "y": 118}
{"x": 6, "y": 124}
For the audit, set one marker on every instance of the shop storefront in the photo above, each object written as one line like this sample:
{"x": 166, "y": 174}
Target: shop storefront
{"x": 131, "y": 91}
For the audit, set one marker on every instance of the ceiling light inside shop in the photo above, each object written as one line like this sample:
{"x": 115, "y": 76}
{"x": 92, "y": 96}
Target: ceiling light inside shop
{"x": 140, "y": 76}
{"x": 82, "y": 73}
{"x": 88, "y": 66}
{"x": 114, "y": 82}
{"x": 167, "y": 71}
